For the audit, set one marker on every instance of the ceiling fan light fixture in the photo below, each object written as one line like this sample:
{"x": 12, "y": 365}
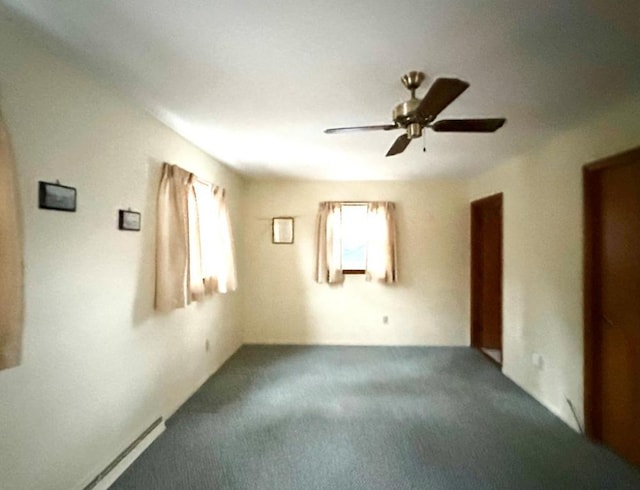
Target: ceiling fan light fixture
{"x": 414, "y": 130}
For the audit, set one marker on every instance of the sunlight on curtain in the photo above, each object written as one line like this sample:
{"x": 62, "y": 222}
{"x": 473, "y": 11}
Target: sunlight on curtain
{"x": 329, "y": 244}
{"x": 225, "y": 269}
{"x": 381, "y": 242}
{"x": 195, "y": 245}
{"x": 211, "y": 243}
{"x": 11, "y": 269}
{"x": 196, "y": 276}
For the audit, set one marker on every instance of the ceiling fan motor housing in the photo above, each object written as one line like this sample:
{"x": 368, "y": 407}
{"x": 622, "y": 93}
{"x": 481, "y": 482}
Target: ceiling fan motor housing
{"x": 404, "y": 113}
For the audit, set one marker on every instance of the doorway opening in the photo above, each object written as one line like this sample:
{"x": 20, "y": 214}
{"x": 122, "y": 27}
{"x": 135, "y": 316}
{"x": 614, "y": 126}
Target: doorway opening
{"x": 486, "y": 276}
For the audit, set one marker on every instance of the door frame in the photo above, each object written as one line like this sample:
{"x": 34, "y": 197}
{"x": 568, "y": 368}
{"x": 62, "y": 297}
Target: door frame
{"x": 592, "y": 284}
{"x": 475, "y": 330}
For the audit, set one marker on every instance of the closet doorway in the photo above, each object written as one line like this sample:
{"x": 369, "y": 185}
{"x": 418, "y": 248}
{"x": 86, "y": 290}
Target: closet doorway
{"x": 486, "y": 276}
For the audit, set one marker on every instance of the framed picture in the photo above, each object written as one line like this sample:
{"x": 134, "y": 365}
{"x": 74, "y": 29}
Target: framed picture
{"x": 282, "y": 230}
{"x": 56, "y": 196}
{"x": 129, "y": 220}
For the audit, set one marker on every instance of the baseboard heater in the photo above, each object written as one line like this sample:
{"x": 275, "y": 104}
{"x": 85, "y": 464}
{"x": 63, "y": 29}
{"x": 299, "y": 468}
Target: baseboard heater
{"x": 123, "y": 454}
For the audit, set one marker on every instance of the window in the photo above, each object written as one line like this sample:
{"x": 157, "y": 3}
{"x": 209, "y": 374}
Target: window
{"x": 208, "y": 251}
{"x": 354, "y": 238}
{"x": 194, "y": 246}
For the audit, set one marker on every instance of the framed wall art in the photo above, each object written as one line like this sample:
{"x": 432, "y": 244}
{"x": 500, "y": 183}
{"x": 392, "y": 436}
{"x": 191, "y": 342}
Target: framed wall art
{"x": 129, "y": 220}
{"x": 56, "y": 196}
{"x": 282, "y": 230}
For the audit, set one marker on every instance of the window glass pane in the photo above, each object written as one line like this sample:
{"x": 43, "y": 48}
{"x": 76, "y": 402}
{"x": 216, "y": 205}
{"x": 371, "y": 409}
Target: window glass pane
{"x": 354, "y": 236}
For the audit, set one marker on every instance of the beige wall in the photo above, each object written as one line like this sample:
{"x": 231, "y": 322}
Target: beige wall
{"x": 543, "y": 253}
{"x": 282, "y": 303}
{"x": 99, "y": 364}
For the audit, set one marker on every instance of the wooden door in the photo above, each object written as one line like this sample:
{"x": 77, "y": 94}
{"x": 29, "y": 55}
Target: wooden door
{"x": 612, "y": 303}
{"x": 486, "y": 274}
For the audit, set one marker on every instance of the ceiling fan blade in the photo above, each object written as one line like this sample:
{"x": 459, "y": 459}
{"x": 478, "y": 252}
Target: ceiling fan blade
{"x": 441, "y": 93}
{"x": 469, "y": 125}
{"x": 377, "y": 127}
{"x": 399, "y": 145}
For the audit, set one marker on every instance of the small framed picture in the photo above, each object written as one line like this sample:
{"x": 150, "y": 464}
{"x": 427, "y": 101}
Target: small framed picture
{"x": 129, "y": 220}
{"x": 56, "y": 196}
{"x": 282, "y": 230}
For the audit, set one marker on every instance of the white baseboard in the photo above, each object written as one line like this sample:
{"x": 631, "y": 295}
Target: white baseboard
{"x": 120, "y": 468}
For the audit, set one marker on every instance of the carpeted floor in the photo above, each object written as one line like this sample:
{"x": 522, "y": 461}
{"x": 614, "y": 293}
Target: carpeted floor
{"x": 284, "y": 417}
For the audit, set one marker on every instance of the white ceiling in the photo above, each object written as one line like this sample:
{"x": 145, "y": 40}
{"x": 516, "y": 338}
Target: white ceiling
{"x": 255, "y": 82}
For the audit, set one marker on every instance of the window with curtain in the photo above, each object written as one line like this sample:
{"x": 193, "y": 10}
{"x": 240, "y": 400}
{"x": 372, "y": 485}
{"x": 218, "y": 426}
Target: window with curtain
{"x": 356, "y": 238}
{"x": 353, "y": 229}
{"x": 11, "y": 271}
{"x": 194, "y": 250}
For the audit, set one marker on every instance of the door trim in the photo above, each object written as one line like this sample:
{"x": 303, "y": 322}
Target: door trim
{"x": 592, "y": 284}
{"x": 475, "y": 333}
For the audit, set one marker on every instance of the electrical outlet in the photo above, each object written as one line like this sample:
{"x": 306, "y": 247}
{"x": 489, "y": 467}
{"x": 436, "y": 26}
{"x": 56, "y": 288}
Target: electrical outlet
{"x": 385, "y": 320}
{"x": 537, "y": 360}
{"x": 206, "y": 345}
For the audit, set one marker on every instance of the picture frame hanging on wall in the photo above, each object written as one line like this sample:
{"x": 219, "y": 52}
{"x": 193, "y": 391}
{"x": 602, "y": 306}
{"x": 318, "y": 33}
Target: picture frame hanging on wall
{"x": 129, "y": 220}
{"x": 56, "y": 196}
{"x": 282, "y": 230}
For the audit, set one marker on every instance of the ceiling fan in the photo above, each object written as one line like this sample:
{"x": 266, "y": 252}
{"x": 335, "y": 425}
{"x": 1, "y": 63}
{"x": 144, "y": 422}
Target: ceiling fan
{"x": 414, "y": 115}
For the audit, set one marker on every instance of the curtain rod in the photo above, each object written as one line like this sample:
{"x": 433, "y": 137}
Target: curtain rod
{"x": 202, "y": 181}
{"x": 192, "y": 175}
{"x": 208, "y": 184}
{"x": 215, "y": 187}
{"x": 349, "y": 202}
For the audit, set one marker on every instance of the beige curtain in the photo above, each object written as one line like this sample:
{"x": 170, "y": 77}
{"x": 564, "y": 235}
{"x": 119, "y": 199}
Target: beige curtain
{"x": 329, "y": 244}
{"x": 226, "y": 278}
{"x": 195, "y": 207}
{"x": 194, "y": 254}
{"x": 172, "y": 242}
{"x": 11, "y": 269}
{"x": 381, "y": 243}
{"x": 212, "y": 262}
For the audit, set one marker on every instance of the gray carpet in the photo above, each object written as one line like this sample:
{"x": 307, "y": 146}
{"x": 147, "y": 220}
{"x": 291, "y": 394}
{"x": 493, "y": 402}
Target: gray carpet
{"x": 284, "y": 417}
